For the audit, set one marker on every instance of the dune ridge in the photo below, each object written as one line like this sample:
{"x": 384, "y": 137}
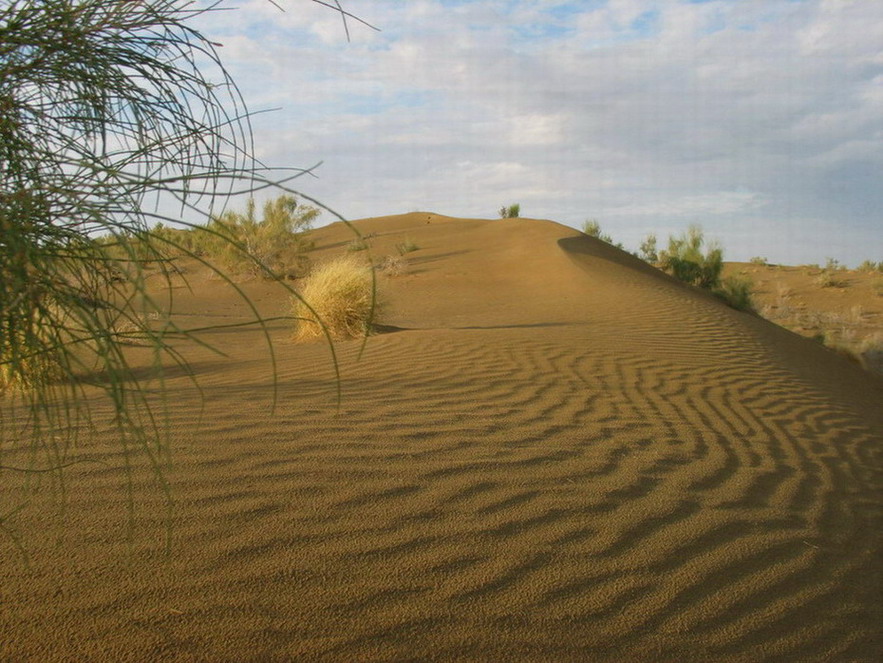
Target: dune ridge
{"x": 559, "y": 454}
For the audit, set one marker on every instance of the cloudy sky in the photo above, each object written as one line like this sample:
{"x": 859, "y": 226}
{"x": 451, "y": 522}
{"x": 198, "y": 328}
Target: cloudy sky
{"x": 762, "y": 120}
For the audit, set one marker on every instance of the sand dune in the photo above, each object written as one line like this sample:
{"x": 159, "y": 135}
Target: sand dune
{"x": 556, "y": 453}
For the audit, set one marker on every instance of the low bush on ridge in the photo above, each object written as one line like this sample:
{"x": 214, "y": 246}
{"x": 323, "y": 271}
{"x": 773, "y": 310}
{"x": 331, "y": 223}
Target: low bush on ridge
{"x": 685, "y": 260}
{"x": 736, "y": 291}
{"x": 342, "y": 297}
{"x": 592, "y": 228}
{"x": 511, "y": 212}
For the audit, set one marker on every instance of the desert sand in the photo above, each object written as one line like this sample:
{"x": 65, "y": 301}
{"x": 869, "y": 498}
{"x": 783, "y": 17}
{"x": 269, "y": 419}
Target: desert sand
{"x": 553, "y": 452}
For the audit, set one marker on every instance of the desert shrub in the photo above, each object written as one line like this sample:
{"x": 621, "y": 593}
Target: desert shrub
{"x": 828, "y": 279}
{"x": 758, "y": 260}
{"x": 511, "y": 212}
{"x": 685, "y": 260}
{"x": 592, "y": 228}
{"x": 406, "y": 247}
{"x": 358, "y": 244}
{"x": 277, "y": 242}
{"x": 339, "y": 298}
{"x": 833, "y": 265}
{"x": 870, "y": 266}
{"x": 393, "y": 265}
{"x": 737, "y": 292}
{"x": 647, "y": 251}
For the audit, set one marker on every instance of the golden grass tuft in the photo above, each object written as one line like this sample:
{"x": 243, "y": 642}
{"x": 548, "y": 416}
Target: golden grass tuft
{"x": 342, "y": 294}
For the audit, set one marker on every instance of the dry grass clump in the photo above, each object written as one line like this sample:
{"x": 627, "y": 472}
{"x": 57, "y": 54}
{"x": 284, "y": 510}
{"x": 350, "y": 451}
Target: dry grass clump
{"x": 358, "y": 244}
{"x": 393, "y": 265}
{"x": 342, "y": 297}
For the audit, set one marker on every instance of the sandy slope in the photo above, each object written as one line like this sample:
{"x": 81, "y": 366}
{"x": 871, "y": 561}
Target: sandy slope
{"x": 556, "y": 453}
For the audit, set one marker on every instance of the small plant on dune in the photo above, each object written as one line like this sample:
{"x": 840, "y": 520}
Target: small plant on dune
{"x": 358, "y": 244}
{"x": 737, "y": 292}
{"x": 647, "y": 251}
{"x": 338, "y": 297}
{"x": 406, "y": 247}
{"x": 828, "y": 279}
{"x": 685, "y": 260}
{"x": 833, "y": 265}
{"x": 871, "y": 266}
{"x": 511, "y": 212}
{"x": 393, "y": 265}
{"x": 758, "y": 260}
{"x": 592, "y": 228}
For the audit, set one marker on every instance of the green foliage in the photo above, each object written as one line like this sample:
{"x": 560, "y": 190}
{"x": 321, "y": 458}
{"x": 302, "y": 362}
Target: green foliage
{"x": 592, "y": 228}
{"x": 827, "y": 278}
{"x": 648, "y": 251}
{"x": 105, "y": 107}
{"x": 278, "y": 241}
{"x": 358, "y": 244}
{"x": 871, "y": 266}
{"x": 737, "y": 292}
{"x": 511, "y": 212}
{"x": 687, "y": 262}
{"x": 406, "y": 247}
{"x": 757, "y": 260}
{"x": 833, "y": 265}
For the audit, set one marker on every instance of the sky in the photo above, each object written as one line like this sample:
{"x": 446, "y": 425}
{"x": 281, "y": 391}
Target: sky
{"x": 761, "y": 120}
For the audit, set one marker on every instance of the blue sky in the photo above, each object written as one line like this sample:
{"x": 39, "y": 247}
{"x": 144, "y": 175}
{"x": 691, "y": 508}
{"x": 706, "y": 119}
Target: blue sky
{"x": 762, "y": 120}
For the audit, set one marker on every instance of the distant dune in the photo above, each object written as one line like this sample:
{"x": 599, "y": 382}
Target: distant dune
{"x": 553, "y": 453}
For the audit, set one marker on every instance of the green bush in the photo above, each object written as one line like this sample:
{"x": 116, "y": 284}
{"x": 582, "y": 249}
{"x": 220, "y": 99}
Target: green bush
{"x": 737, "y": 292}
{"x": 278, "y": 241}
{"x": 757, "y": 260}
{"x": 406, "y": 247}
{"x": 511, "y": 212}
{"x": 647, "y": 250}
{"x": 686, "y": 261}
{"x": 592, "y": 228}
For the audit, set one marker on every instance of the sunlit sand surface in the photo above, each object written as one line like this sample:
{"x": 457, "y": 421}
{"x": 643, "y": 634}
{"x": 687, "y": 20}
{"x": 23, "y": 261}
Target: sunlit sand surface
{"x": 553, "y": 453}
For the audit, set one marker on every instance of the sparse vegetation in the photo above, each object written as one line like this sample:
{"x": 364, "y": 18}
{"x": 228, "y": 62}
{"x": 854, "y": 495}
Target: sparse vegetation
{"x": 757, "y": 260}
{"x": 592, "y": 228}
{"x": 358, "y": 244}
{"x": 511, "y": 212}
{"x": 648, "y": 251}
{"x": 393, "y": 265}
{"x": 339, "y": 298}
{"x": 737, "y": 292}
{"x": 244, "y": 244}
{"x": 832, "y": 265}
{"x": 685, "y": 260}
{"x": 827, "y": 278}
{"x": 870, "y": 266}
{"x": 406, "y": 247}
